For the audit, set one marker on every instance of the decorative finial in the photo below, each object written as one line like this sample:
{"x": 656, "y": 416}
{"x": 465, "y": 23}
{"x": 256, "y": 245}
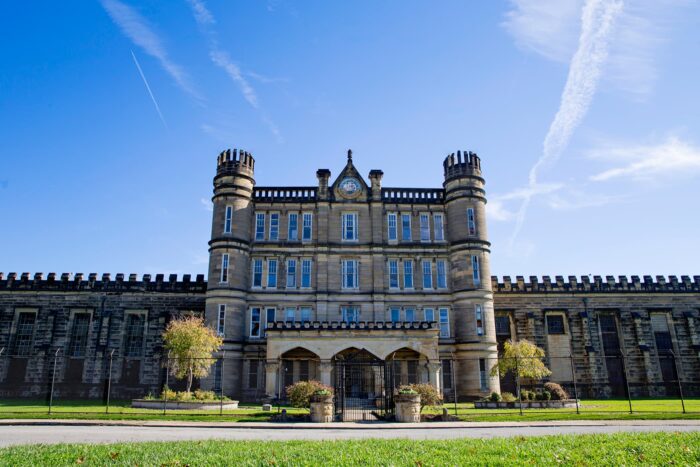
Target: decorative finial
{"x": 349, "y": 155}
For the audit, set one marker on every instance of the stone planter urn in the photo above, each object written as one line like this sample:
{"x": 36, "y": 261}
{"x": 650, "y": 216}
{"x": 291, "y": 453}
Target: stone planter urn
{"x": 322, "y": 408}
{"x": 407, "y": 408}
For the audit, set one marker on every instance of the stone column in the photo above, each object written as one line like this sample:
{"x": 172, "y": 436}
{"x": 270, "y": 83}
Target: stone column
{"x": 271, "y": 372}
{"x": 325, "y": 368}
{"x": 434, "y": 374}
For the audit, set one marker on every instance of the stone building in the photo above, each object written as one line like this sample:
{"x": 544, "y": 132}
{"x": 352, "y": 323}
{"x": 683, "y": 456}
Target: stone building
{"x": 360, "y": 286}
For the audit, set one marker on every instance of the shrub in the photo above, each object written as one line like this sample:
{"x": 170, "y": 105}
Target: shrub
{"x": 407, "y": 389}
{"x": 495, "y": 397}
{"x": 531, "y": 395}
{"x": 546, "y": 395}
{"x": 526, "y": 395}
{"x": 183, "y": 396}
{"x": 429, "y": 395}
{"x": 201, "y": 395}
{"x": 168, "y": 394}
{"x": 539, "y": 396}
{"x": 558, "y": 393}
{"x": 299, "y": 393}
{"x": 507, "y": 397}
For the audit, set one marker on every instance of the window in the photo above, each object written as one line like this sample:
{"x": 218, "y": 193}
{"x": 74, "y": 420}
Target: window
{"x": 408, "y": 274}
{"x": 483, "y": 377}
{"x": 393, "y": 274}
{"x": 253, "y": 366}
{"x": 290, "y": 314}
{"x": 306, "y": 274}
{"x": 476, "y": 274}
{"x": 428, "y": 315}
{"x": 259, "y": 226}
{"x": 227, "y": 219}
{"x": 221, "y": 320}
{"x": 255, "y": 322}
{"x": 305, "y": 314}
{"x": 224, "y": 267}
{"x": 274, "y": 226}
{"x": 351, "y": 314}
{"x": 406, "y": 227}
{"x": 257, "y": 272}
{"x": 424, "y": 228}
{"x": 291, "y": 273}
{"x": 555, "y": 324}
{"x": 271, "y": 273}
{"x": 395, "y": 314}
{"x": 438, "y": 227}
{"x": 79, "y": 335}
{"x": 410, "y": 315}
{"x": 349, "y": 267}
{"x": 307, "y": 226}
{"x": 446, "y": 376}
{"x": 471, "y": 221}
{"x": 24, "y": 334}
{"x": 444, "y": 322}
{"x": 392, "y": 234}
{"x": 478, "y": 313}
{"x": 133, "y": 340}
{"x": 427, "y": 275}
{"x": 293, "y": 226}
{"x": 269, "y": 317}
{"x": 441, "y": 274}
{"x": 503, "y": 325}
{"x": 303, "y": 370}
{"x": 349, "y": 226}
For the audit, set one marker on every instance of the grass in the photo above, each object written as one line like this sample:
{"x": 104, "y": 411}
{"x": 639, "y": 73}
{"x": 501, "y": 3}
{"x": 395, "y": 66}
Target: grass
{"x": 615, "y": 449}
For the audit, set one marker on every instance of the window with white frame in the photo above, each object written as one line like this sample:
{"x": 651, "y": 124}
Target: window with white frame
{"x": 290, "y": 314}
{"x": 306, "y": 274}
{"x": 441, "y": 267}
{"x": 427, "y": 275}
{"x": 257, "y": 273}
{"x": 479, "y": 314}
{"x": 307, "y": 226}
{"x": 405, "y": 227}
{"x": 274, "y": 226}
{"x": 392, "y": 233}
{"x": 228, "y": 217}
{"x": 305, "y": 314}
{"x": 259, "y": 226}
{"x": 424, "y": 228}
{"x": 351, "y": 314}
{"x": 395, "y": 314}
{"x": 224, "y": 267}
{"x": 438, "y": 227}
{"x": 349, "y": 271}
{"x": 349, "y": 226}
{"x": 221, "y": 320}
{"x": 408, "y": 274}
{"x": 428, "y": 315}
{"x": 410, "y": 314}
{"x": 255, "y": 322}
{"x": 471, "y": 221}
{"x": 476, "y": 273}
{"x": 271, "y": 273}
{"x": 444, "y": 322}
{"x": 291, "y": 273}
{"x": 292, "y": 226}
{"x": 393, "y": 274}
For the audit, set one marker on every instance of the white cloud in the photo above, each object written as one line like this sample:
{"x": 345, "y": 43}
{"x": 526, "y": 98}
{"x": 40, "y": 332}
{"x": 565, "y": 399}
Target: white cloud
{"x": 207, "y": 204}
{"x": 498, "y": 212}
{"x": 670, "y": 158}
{"x": 201, "y": 14}
{"x": 223, "y": 60}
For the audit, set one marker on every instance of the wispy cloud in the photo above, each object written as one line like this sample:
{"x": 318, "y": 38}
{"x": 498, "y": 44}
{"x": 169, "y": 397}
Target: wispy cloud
{"x": 597, "y": 19}
{"x": 136, "y": 28}
{"x": 148, "y": 88}
{"x": 670, "y": 158}
{"x": 223, "y": 60}
{"x": 207, "y": 204}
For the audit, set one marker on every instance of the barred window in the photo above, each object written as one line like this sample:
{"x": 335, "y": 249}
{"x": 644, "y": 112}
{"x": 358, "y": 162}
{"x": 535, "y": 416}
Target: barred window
{"x": 555, "y": 324}
{"x": 24, "y": 334}
{"x": 79, "y": 335}
{"x": 503, "y": 325}
{"x": 133, "y": 345}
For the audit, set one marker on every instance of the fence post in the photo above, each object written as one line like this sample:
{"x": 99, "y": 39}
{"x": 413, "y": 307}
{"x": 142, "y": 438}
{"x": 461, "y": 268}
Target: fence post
{"x": 53, "y": 379}
{"x": 573, "y": 378}
{"x": 221, "y": 382}
{"x": 517, "y": 384}
{"x": 678, "y": 378}
{"x": 165, "y": 389}
{"x": 109, "y": 379}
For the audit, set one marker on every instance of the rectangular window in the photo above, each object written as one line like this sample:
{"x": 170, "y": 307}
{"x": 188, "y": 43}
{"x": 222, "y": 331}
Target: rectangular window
{"x": 290, "y": 315}
{"x": 428, "y": 315}
{"x": 79, "y": 335}
{"x": 293, "y": 226}
{"x": 471, "y": 221}
{"x": 406, "y": 227}
{"x": 349, "y": 267}
{"x": 555, "y": 324}
{"x": 351, "y": 314}
{"x": 271, "y": 273}
{"x": 274, "y": 226}
{"x": 395, "y": 314}
{"x": 257, "y": 272}
{"x": 221, "y": 320}
{"x": 349, "y": 226}
{"x": 439, "y": 228}
{"x": 253, "y": 366}
{"x": 479, "y": 320}
{"x": 24, "y": 334}
{"x": 393, "y": 274}
{"x": 392, "y": 233}
{"x": 227, "y": 219}
{"x": 408, "y": 274}
{"x": 305, "y": 314}
{"x": 291, "y": 273}
{"x": 444, "y": 322}
{"x": 307, "y": 227}
{"x": 483, "y": 376}
{"x": 441, "y": 274}
{"x": 306, "y": 274}
{"x": 427, "y": 275}
{"x": 410, "y": 315}
{"x": 224, "y": 267}
{"x": 255, "y": 322}
{"x": 269, "y": 317}
{"x": 446, "y": 378}
{"x": 503, "y": 326}
{"x": 424, "y": 228}
{"x": 133, "y": 343}
{"x": 259, "y": 226}
{"x": 303, "y": 370}
{"x": 476, "y": 273}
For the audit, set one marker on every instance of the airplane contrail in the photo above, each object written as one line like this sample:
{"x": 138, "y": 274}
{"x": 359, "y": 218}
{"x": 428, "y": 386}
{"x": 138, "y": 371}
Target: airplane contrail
{"x": 145, "y": 81}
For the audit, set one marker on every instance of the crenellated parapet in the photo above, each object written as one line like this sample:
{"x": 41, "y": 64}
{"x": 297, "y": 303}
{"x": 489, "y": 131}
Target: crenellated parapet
{"x": 235, "y": 161}
{"x": 78, "y": 282}
{"x": 462, "y": 164}
{"x": 596, "y": 284}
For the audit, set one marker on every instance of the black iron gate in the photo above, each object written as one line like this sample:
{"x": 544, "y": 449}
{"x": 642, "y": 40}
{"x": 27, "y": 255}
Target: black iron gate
{"x": 364, "y": 387}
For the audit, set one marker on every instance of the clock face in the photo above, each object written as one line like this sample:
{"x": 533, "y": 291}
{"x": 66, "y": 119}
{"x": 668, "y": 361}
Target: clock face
{"x": 350, "y": 186}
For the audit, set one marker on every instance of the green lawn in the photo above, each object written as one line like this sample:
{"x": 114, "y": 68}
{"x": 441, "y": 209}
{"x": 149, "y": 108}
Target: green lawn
{"x": 617, "y": 449}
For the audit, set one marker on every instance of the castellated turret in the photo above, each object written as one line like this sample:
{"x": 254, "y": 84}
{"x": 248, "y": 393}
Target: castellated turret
{"x": 469, "y": 250}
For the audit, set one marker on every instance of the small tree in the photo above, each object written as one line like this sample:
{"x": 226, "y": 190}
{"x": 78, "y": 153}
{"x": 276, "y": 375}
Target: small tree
{"x": 429, "y": 395}
{"x": 524, "y": 359}
{"x": 191, "y": 345}
{"x": 299, "y": 393}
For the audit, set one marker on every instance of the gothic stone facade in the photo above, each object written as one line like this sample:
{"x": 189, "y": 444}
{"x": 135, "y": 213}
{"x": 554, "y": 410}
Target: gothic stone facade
{"x": 300, "y": 276}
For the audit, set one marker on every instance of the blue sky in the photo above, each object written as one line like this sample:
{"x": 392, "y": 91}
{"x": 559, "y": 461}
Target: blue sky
{"x": 585, "y": 113}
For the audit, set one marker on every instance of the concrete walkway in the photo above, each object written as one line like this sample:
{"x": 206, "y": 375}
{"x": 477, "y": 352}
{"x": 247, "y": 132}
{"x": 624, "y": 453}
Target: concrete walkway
{"x": 84, "y": 431}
